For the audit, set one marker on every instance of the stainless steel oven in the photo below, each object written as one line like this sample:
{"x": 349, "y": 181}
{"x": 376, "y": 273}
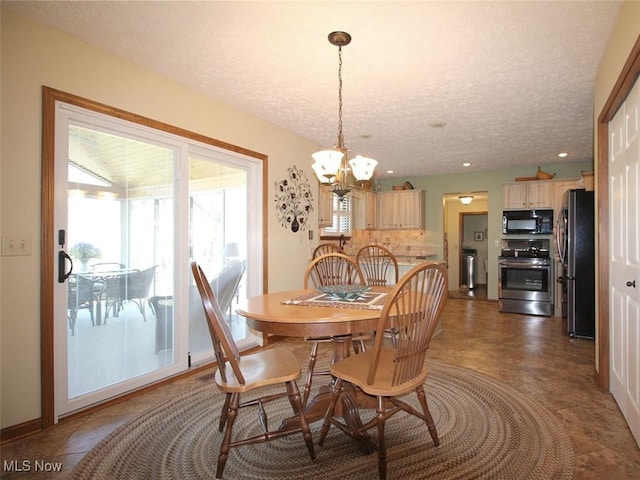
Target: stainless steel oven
{"x": 526, "y": 277}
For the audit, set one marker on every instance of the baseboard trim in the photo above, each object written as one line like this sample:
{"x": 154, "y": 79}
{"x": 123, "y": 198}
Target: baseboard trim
{"x": 14, "y": 432}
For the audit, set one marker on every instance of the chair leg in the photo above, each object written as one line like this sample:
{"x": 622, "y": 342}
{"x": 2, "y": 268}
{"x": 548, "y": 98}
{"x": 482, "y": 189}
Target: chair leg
{"x": 335, "y": 393}
{"x": 313, "y": 356}
{"x": 72, "y": 320}
{"x": 298, "y": 408}
{"x": 382, "y": 448}
{"x": 224, "y": 412}
{"x": 107, "y": 307}
{"x": 359, "y": 346}
{"x": 422, "y": 398}
{"x": 141, "y": 307}
{"x": 226, "y": 441}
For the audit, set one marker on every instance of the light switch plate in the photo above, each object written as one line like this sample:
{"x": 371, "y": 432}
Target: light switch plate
{"x": 16, "y": 246}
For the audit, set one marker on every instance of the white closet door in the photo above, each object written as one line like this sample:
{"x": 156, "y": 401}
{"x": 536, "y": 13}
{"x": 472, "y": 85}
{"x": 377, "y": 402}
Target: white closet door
{"x": 624, "y": 267}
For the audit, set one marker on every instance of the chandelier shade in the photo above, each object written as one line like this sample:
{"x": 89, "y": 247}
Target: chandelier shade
{"x": 362, "y": 167}
{"x": 466, "y": 199}
{"x": 332, "y": 166}
{"x": 327, "y": 163}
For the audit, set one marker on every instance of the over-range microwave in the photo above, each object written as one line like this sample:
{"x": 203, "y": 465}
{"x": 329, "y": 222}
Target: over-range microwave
{"x": 529, "y": 222}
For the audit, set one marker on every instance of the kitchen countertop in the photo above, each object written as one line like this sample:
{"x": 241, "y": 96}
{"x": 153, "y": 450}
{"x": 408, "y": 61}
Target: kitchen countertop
{"x": 407, "y": 260}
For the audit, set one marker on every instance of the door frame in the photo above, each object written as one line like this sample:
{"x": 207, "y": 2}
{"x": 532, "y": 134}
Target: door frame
{"x": 48, "y": 241}
{"x": 461, "y": 239}
{"x": 619, "y": 92}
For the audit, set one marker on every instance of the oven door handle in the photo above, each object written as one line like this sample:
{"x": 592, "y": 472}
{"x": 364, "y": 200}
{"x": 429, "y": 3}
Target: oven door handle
{"x": 522, "y": 265}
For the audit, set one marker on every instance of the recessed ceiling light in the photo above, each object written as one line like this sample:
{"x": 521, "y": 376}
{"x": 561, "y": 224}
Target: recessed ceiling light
{"x": 563, "y": 154}
{"x": 466, "y": 164}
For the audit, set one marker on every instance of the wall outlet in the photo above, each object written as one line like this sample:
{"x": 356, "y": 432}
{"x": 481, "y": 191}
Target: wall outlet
{"x": 15, "y": 246}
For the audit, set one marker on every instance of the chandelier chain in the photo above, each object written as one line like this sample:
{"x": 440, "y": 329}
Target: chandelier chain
{"x": 340, "y": 137}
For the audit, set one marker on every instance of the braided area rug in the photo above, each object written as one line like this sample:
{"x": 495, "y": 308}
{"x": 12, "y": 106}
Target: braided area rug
{"x": 487, "y": 431}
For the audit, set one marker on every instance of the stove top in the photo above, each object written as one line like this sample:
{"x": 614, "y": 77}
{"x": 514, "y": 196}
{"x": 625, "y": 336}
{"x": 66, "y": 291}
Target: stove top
{"x": 526, "y": 252}
{"x": 525, "y": 248}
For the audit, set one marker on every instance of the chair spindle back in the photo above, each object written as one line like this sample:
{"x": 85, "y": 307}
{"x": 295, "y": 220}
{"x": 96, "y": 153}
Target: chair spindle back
{"x": 325, "y": 248}
{"x": 412, "y": 310}
{"x": 375, "y": 261}
{"x": 333, "y": 269}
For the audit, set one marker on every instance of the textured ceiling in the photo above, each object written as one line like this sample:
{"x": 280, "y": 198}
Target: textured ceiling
{"x": 511, "y": 81}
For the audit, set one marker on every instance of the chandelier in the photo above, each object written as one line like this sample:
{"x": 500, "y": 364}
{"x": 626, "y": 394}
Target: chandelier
{"x": 332, "y": 166}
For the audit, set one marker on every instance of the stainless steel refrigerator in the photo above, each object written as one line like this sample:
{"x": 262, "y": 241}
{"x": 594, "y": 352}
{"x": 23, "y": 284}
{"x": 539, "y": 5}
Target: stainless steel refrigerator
{"x": 577, "y": 253}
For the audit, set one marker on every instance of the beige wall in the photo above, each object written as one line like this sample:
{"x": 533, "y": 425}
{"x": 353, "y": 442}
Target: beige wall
{"x": 34, "y": 55}
{"x": 625, "y": 34}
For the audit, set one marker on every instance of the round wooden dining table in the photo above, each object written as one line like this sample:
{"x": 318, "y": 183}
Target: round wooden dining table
{"x": 270, "y": 314}
{"x": 282, "y": 313}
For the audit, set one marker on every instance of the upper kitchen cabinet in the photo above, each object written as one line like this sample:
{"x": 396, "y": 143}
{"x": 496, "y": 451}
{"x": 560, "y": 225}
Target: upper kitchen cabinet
{"x": 537, "y": 194}
{"x": 364, "y": 210}
{"x": 400, "y": 210}
{"x": 525, "y": 195}
{"x": 325, "y": 206}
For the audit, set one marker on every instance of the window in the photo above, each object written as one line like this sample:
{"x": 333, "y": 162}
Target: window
{"x": 341, "y": 215}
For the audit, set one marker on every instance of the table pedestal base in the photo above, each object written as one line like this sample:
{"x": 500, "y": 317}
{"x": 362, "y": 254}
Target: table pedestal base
{"x": 350, "y": 402}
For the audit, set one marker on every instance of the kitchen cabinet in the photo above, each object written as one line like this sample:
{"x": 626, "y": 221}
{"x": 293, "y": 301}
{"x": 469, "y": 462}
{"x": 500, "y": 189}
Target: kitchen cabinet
{"x": 400, "y": 210}
{"x": 325, "y": 206}
{"x": 537, "y": 194}
{"x": 371, "y": 210}
{"x": 364, "y": 209}
{"x": 404, "y": 268}
{"x": 526, "y": 195}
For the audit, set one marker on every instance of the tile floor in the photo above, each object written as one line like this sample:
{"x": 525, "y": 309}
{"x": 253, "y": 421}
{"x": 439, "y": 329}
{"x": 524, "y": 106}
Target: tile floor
{"x": 532, "y": 354}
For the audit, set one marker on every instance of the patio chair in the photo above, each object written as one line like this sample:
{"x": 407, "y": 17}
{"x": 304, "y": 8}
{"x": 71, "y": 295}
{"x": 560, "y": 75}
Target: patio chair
{"x": 133, "y": 286}
{"x": 237, "y": 375}
{"x": 102, "y": 267}
{"x": 82, "y": 293}
{"x": 389, "y": 373}
{"x": 226, "y": 284}
{"x": 329, "y": 269}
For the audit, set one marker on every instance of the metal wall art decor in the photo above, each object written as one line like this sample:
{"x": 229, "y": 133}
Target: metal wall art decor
{"x": 294, "y": 200}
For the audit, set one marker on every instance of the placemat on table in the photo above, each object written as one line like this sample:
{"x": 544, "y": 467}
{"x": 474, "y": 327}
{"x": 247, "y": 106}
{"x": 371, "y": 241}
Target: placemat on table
{"x": 369, "y": 300}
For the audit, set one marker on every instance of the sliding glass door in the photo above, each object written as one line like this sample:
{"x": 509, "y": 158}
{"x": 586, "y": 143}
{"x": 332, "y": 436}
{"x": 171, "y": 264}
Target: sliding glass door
{"x": 133, "y": 207}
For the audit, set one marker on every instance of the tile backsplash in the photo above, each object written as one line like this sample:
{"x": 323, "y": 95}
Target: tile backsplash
{"x": 401, "y": 242}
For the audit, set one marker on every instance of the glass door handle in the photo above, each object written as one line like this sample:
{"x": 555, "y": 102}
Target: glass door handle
{"x": 62, "y": 263}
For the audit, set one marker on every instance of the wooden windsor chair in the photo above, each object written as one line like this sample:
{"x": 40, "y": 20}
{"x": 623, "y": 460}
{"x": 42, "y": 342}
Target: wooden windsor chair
{"x": 388, "y": 373}
{"x": 380, "y": 269}
{"x": 325, "y": 248}
{"x": 237, "y": 375}
{"x": 329, "y": 269}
